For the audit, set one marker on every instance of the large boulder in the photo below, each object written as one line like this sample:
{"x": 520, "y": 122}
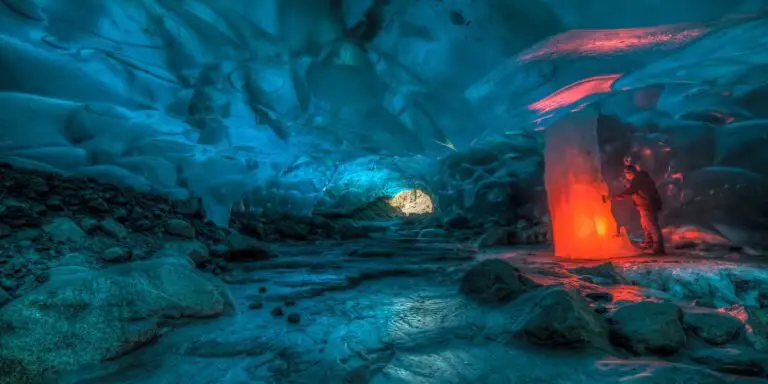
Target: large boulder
{"x": 83, "y": 316}
{"x": 244, "y": 248}
{"x": 648, "y": 328}
{"x": 63, "y": 229}
{"x": 731, "y": 360}
{"x": 495, "y": 281}
{"x": 563, "y": 318}
{"x": 715, "y": 328}
{"x": 193, "y": 249}
{"x": 604, "y": 274}
{"x": 757, "y": 321}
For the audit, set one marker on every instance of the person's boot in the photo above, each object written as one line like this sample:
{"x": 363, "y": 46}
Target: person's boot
{"x": 659, "y": 251}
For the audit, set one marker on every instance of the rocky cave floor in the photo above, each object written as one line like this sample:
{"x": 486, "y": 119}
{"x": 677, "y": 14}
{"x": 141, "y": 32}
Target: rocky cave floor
{"x": 102, "y": 285}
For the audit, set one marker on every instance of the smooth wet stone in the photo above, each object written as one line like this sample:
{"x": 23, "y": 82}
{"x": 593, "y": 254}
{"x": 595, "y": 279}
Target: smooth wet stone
{"x": 715, "y": 328}
{"x": 180, "y": 228}
{"x": 495, "y": 282}
{"x": 648, "y": 328}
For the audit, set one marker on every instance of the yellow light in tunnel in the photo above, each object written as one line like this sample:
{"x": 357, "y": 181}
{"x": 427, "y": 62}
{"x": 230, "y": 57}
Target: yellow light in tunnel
{"x": 412, "y": 202}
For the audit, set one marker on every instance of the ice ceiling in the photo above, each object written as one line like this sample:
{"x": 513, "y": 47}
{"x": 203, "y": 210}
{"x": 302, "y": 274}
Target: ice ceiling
{"x": 295, "y": 103}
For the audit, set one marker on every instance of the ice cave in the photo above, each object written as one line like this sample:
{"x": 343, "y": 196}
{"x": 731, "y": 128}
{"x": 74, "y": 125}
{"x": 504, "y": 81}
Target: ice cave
{"x": 383, "y": 191}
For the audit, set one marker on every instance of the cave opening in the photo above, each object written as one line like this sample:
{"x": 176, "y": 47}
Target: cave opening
{"x": 412, "y": 202}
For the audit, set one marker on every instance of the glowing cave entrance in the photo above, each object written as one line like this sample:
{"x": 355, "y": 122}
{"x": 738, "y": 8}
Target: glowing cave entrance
{"x": 412, "y": 202}
{"x": 583, "y": 225}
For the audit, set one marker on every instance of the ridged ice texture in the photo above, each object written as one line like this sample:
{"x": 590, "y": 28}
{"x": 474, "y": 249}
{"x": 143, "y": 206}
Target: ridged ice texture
{"x": 272, "y": 100}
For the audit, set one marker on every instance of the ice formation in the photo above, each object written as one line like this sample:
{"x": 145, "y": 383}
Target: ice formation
{"x": 381, "y": 191}
{"x": 292, "y": 106}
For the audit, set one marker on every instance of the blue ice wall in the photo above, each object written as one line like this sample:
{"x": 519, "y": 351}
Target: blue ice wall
{"x": 286, "y": 104}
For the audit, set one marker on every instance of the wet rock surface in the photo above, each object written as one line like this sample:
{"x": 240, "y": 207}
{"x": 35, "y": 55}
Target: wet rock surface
{"x": 166, "y": 297}
{"x": 495, "y": 282}
{"x": 732, "y": 360}
{"x": 648, "y": 328}
{"x": 562, "y": 318}
{"x": 85, "y": 316}
{"x": 715, "y": 328}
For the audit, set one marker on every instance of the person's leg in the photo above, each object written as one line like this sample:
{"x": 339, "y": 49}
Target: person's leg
{"x": 656, "y": 235}
{"x": 645, "y": 224}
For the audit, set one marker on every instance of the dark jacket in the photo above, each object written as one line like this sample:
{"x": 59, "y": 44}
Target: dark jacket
{"x": 643, "y": 191}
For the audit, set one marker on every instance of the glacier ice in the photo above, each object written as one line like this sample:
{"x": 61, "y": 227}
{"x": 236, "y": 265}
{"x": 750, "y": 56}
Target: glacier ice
{"x": 152, "y": 93}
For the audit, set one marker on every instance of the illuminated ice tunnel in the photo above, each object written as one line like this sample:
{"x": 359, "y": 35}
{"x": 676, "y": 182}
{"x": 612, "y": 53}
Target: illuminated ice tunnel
{"x": 583, "y": 225}
{"x": 412, "y": 202}
{"x": 362, "y": 185}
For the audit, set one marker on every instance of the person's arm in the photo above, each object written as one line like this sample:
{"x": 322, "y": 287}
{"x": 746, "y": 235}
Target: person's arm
{"x": 631, "y": 190}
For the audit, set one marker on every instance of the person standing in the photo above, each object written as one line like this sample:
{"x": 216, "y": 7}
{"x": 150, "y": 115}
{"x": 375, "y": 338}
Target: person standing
{"x": 647, "y": 200}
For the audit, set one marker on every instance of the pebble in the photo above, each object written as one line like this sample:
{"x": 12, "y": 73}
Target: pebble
{"x": 180, "y": 228}
{"x": 294, "y": 318}
{"x": 117, "y": 254}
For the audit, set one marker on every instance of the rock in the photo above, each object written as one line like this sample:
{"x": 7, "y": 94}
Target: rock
{"x": 98, "y": 205}
{"x": 8, "y": 284}
{"x": 730, "y": 360}
{"x": 63, "y": 230}
{"x": 5, "y": 298}
{"x": 277, "y": 311}
{"x": 55, "y": 205}
{"x": 495, "y": 282}
{"x": 258, "y": 303}
{"x": 648, "y": 328}
{"x": 12, "y": 371}
{"x": 113, "y": 229}
{"x": 495, "y": 236}
{"x": 294, "y": 318}
{"x": 530, "y": 234}
{"x": 187, "y": 207}
{"x": 5, "y": 231}
{"x": 254, "y": 228}
{"x": 29, "y": 234}
{"x": 434, "y": 233}
{"x": 600, "y": 309}
{"x": 606, "y": 297}
{"x": 194, "y": 250}
{"x": 664, "y": 373}
{"x": 757, "y": 321}
{"x": 715, "y": 328}
{"x": 563, "y": 318}
{"x": 19, "y": 215}
{"x": 705, "y": 303}
{"x": 218, "y": 250}
{"x": 262, "y": 289}
{"x": 180, "y": 228}
{"x": 458, "y": 222}
{"x": 117, "y": 255}
{"x": 604, "y": 273}
{"x": 43, "y": 330}
{"x": 762, "y": 299}
{"x": 88, "y": 225}
{"x": 244, "y": 248}
{"x": 290, "y": 229}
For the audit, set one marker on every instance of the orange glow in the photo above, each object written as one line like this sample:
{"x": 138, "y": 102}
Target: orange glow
{"x": 574, "y": 92}
{"x": 613, "y": 41}
{"x": 693, "y": 234}
{"x": 583, "y": 226}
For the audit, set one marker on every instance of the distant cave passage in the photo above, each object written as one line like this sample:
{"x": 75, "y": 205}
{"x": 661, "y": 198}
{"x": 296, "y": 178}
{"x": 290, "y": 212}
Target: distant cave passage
{"x": 412, "y": 202}
{"x": 583, "y": 225}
